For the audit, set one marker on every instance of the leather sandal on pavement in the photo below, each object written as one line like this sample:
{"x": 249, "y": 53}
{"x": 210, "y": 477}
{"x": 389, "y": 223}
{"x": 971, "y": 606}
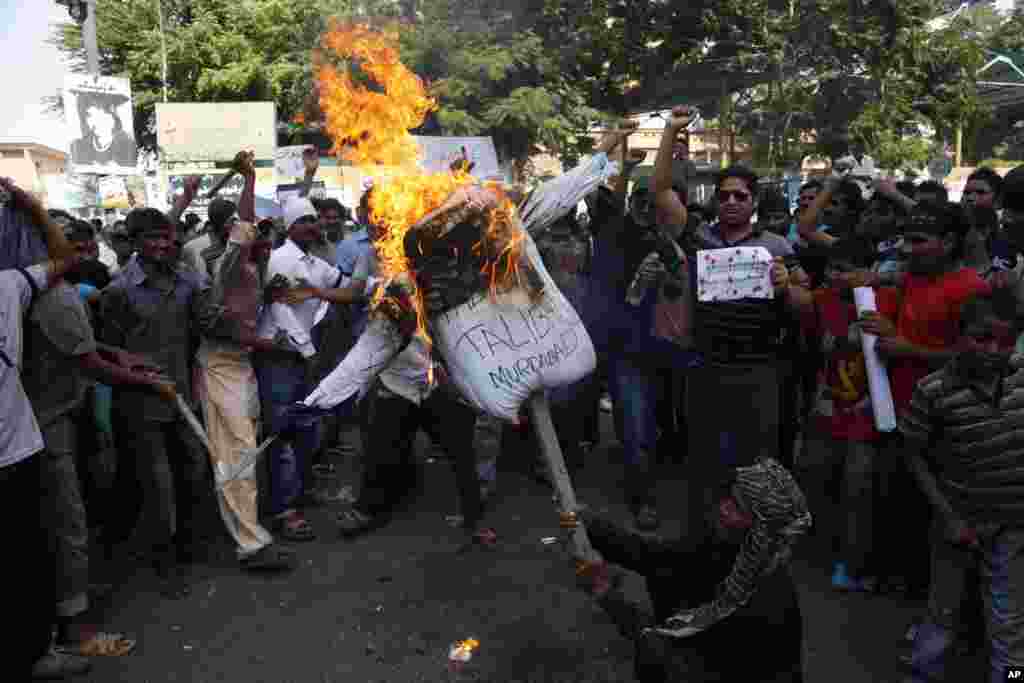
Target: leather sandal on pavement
{"x": 292, "y": 526}
{"x": 268, "y": 558}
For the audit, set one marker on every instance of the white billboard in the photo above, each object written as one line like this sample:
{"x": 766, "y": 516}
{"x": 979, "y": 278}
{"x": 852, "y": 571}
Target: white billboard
{"x": 215, "y": 131}
{"x": 98, "y": 110}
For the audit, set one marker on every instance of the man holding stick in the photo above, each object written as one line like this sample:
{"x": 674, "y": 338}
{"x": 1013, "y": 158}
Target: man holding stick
{"x": 153, "y": 308}
{"x": 229, "y": 391}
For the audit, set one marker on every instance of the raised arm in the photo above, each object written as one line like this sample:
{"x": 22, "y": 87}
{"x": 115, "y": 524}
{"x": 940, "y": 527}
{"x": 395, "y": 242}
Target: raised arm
{"x": 311, "y": 161}
{"x": 557, "y": 197}
{"x": 887, "y": 188}
{"x": 808, "y": 221}
{"x": 189, "y": 193}
{"x": 670, "y": 209}
{"x": 247, "y": 202}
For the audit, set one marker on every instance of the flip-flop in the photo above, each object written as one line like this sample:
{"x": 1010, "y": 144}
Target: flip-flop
{"x": 101, "y": 645}
{"x": 271, "y": 557}
{"x": 294, "y": 527}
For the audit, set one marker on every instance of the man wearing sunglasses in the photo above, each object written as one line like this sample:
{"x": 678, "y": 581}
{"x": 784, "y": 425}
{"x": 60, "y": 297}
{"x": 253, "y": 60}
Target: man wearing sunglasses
{"x": 732, "y": 403}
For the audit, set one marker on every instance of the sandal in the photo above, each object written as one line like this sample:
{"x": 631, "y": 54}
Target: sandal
{"x": 352, "y": 522}
{"x": 646, "y": 518}
{"x": 269, "y": 558}
{"x": 100, "y": 645}
{"x": 294, "y": 527}
{"x": 483, "y": 539}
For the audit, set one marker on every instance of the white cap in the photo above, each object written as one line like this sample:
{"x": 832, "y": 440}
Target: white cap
{"x": 296, "y": 208}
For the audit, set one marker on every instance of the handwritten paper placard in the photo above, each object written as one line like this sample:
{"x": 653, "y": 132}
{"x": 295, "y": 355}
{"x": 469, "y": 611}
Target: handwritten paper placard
{"x": 734, "y": 273}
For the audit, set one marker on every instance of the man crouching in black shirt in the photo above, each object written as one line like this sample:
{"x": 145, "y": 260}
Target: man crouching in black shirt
{"x": 725, "y": 606}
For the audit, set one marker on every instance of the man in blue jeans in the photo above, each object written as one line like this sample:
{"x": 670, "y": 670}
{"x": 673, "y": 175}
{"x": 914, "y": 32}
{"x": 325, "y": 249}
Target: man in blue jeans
{"x": 620, "y": 332}
{"x": 284, "y": 378}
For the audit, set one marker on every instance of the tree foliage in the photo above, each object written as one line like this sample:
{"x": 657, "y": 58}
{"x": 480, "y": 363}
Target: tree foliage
{"x": 853, "y": 75}
{"x": 493, "y": 77}
{"x": 833, "y": 74}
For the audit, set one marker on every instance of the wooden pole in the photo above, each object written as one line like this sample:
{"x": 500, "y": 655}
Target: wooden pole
{"x": 958, "y": 159}
{"x": 540, "y": 417}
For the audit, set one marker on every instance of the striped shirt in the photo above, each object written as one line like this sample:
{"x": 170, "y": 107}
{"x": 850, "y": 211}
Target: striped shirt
{"x": 979, "y": 437}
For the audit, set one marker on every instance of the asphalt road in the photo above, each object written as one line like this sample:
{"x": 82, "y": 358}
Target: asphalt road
{"x": 388, "y": 606}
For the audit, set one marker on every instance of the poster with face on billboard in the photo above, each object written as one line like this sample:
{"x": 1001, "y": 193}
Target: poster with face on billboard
{"x": 98, "y": 110}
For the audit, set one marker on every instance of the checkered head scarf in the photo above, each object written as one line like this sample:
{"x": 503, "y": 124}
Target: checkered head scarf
{"x": 770, "y": 494}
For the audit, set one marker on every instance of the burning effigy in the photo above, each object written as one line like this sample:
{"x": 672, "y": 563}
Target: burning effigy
{"x": 459, "y": 269}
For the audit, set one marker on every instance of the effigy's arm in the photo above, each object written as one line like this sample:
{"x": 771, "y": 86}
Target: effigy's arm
{"x": 392, "y": 325}
{"x": 557, "y": 197}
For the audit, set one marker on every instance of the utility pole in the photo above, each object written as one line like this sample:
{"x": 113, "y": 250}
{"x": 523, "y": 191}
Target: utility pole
{"x": 163, "y": 45}
{"x": 92, "y": 50}
{"x": 84, "y": 14}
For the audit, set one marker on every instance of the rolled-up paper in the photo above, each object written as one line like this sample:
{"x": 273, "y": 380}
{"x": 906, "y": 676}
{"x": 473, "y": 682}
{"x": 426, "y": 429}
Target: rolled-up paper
{"x": 878, "y": 377}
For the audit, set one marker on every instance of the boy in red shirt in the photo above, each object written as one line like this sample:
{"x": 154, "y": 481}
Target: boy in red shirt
{"x": 842, "y": 432}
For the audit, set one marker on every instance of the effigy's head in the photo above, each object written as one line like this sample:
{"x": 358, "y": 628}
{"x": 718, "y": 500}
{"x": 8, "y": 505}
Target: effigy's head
{"x": 473, "y": 245}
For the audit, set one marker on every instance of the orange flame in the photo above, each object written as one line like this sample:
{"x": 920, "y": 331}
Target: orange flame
{"x": 371, "y": 130}
{"x": 370, "y": 127}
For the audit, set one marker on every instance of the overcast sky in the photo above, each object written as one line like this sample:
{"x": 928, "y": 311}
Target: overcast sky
{"x": 32, "y": 70}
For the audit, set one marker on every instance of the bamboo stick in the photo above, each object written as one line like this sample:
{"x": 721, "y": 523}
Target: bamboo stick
{"x": 579, "y": 541}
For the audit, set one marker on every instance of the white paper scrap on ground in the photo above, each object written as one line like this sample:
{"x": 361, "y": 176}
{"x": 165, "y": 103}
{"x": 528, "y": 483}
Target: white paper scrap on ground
{"x": 734, "y": 273}
{"x": 878, "y": 377}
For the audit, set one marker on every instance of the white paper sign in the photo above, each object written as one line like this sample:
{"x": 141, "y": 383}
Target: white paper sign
{"x": 438, "y": 154}
{"x": 734, "y": 273}
{"x": 288, "y": 161}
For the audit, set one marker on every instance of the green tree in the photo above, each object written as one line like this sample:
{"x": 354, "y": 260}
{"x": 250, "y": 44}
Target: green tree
{"x": 493, "y": 76}
{"x": 853, "y": 74}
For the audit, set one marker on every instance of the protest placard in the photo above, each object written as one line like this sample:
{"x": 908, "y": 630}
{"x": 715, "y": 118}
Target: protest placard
{"x": 99, "y": 116}
{"x": 438, "y": 154}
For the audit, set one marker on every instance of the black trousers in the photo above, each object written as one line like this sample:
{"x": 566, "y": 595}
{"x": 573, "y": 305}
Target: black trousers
{"x": 28, "y": 574}
{"x": 760, "y": 642}
{"x": 389, "y": 473}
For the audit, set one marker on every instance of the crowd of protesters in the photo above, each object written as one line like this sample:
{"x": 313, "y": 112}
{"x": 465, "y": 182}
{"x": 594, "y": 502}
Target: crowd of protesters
{"x": 112, "y": 333}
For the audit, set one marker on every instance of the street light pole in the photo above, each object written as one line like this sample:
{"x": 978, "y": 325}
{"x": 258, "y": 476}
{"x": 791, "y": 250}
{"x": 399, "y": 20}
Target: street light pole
{"x": 163, "y": 45}
{"x": 83, "y": 12}
{"x": 92, "y": 50}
